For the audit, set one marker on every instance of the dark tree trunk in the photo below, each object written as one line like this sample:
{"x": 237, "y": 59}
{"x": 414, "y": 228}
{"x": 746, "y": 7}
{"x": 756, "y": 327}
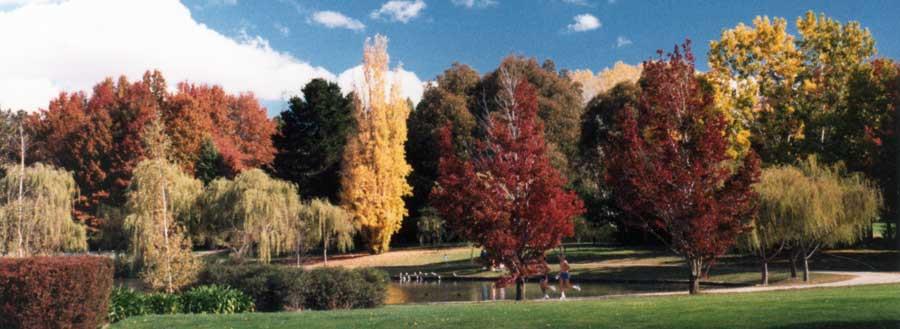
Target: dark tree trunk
{"x": 794, "y": 264}
{"x": 764, "y": 272}
{"x": 520, "y": 289}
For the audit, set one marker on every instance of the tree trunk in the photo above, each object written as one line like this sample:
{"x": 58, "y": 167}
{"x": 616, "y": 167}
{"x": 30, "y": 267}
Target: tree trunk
{"x": 696, "y": 271}
{"x": 805, "y": 269}
{"x": 520, "y": 289}
{"x": 764, "y": 272}
{"x": 793, "y": 264}
{"x": 21, "y": 205}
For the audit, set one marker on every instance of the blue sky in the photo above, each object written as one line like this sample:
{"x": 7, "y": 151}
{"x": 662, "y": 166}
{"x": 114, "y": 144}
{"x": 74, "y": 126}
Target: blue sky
{"x": 481, "y": 36}
{"x": 272, "y": 48}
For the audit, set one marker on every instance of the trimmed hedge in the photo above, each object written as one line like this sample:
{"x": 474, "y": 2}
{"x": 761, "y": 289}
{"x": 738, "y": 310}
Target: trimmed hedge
{"x": 277, "y": 288}
{"x": 70, "y": 292}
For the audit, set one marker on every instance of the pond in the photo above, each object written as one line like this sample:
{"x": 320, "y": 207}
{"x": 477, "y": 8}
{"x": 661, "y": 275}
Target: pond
{"x": 458, "y": 291}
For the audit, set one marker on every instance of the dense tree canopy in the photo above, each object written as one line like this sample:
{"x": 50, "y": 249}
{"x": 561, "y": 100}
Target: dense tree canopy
{"x": 373, "y": 180}
{"x": 252, "y": 213}
{"x": 99, "y": 139}
{"x": 311, "y": 138}
{"x": 448, "y": 101}
{"x": 507, "y": 197}
{"x": 670, "y": 168}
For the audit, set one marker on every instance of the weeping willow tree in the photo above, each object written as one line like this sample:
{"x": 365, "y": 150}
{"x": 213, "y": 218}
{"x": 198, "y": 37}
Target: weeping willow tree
{"x": 331, "y": 225}
{"x": 373, "y": 177}
{"x": 36, "y": 212}
{"x": 826, "y": 207}
{"x": 159, "y": 194}
{"x": 781, "y": 194}
{"x": 254, "y": 212}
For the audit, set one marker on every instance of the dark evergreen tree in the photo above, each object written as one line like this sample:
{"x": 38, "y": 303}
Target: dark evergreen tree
{"x": 210, "y": 163}
{"x": 311, "y": 139}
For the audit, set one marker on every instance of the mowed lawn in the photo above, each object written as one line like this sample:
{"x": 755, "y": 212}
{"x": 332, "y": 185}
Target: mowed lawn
{"x": 867, "y": 307}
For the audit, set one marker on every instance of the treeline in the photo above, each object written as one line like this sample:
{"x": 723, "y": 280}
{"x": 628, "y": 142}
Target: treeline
{"x": 787, "y": 100}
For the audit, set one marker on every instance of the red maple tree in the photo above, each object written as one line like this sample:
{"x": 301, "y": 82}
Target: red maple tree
{"x": 670, "y": 171}
{"x": 506, "y": 196}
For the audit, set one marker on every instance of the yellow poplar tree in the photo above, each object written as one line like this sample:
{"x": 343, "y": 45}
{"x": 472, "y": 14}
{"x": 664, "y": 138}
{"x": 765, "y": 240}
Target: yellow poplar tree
{"x": 373, "y": 178}
{"x": 752, "y": 73}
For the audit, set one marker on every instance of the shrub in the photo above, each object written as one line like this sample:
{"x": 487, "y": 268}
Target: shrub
{"x": 265, "y": 284}
{"x": 163, "y": 303}
{"x": 215, "y": 299}
{"x": 55, "y": 292}
{"x": 339, "y": 288}
{"x": 125, "y": 302}
{"x": 276, "y": 288}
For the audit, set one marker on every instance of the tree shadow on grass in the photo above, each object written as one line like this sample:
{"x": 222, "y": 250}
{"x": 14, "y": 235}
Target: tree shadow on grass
{"x": 884, "y": 324}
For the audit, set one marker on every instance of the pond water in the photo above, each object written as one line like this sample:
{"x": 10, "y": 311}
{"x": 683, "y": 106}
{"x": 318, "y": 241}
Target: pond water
{"x": 458, "y": 291}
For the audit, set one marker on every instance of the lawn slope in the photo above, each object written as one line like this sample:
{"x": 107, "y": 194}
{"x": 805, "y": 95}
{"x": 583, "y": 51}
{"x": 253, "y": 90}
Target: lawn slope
{"x": 869, "y": 307}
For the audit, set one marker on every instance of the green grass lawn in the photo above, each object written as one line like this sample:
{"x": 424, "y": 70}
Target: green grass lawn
{"x": 867, "y": 307}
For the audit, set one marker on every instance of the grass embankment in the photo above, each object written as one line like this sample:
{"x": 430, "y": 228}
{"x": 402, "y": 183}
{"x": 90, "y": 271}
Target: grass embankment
{"x": 868, "y": 307}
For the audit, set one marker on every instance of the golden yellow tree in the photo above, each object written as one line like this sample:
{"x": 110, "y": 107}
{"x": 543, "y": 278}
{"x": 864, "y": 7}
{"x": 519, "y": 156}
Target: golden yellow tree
{"x": 752, "y": 72}
{"x": 373, "y": 178}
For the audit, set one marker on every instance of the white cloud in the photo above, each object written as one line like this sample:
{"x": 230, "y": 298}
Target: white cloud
{"x": 410, "y": 85}
{"x": 333, "y": 19}
{"x": 584, "y": 22}
{"x": 622, "y": 42}
{"x": 475, "y": 3}
{"x": 71, "y": 46}
{"x": 399, "y": 10}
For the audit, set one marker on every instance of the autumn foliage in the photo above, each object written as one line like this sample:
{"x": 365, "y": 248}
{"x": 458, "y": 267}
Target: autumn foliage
{"x": 54, "y": 292}
{"x": 670, "y": 167}
{"x": 99, "y": 137}
{"x": 373, "y": 177}
{"x": 507, "y": 197}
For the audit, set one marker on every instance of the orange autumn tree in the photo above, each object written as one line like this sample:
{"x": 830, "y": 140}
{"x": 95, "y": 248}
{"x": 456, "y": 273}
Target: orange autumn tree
{"x": 99, "y": 137}
{"x": 373, "y": 179}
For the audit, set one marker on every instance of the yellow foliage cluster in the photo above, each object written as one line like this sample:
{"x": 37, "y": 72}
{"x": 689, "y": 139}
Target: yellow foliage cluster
{"x": 374, "y": 175}
{"x": 752, "y": 69}
{"x": 592, "y": 85}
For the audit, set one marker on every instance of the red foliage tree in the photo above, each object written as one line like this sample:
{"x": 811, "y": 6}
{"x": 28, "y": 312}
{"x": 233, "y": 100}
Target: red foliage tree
{"x": 506, "y": 197}
{"x": 669, "y": 168}
{"x": 99, "y": 138}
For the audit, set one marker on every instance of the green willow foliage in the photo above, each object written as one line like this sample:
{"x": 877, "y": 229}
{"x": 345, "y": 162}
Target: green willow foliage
{"x": 41, "y": 223}
{"x": 160, "y": 197}
{"x": 812, "y": 204}
{"x": 252, "y": 212}
{"x": 331, "y": 225}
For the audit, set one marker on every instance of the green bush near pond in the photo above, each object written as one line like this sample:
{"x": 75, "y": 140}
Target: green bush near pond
{"x": 277, "y": 288}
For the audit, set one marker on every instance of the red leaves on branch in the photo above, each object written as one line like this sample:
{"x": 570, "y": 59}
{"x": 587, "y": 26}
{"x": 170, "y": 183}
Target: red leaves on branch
{"x": 670, "y": 170}
{"x": 507, "y": 197}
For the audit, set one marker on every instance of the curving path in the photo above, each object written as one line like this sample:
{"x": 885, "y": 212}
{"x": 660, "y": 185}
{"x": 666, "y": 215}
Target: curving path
{"x": 858, "y": 279}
